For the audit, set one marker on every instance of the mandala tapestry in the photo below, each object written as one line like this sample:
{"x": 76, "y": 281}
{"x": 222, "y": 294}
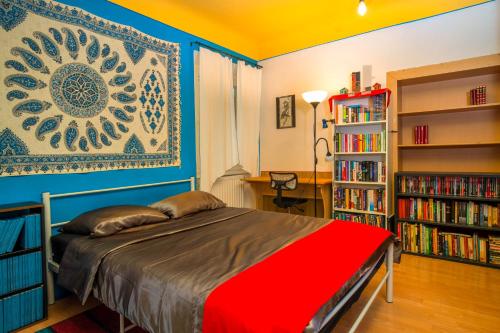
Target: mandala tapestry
{"x": 82, "y": 94}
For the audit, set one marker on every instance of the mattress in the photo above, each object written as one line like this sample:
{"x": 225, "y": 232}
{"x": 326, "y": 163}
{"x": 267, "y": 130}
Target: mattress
{"x": 160, "y": 277}
{"x": 59, "y": 244}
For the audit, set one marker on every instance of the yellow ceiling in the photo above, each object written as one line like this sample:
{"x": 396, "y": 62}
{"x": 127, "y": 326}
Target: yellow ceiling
{"x": 261, "y": 29}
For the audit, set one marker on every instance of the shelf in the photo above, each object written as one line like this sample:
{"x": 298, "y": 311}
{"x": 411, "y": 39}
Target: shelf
{"x": 19, "y": 252}
{"x": 18, "y": 291}
{"x": 448, "y": 197}
{"x": 361, "y": 153}
{"x": 450, "y": 145}
{"x": 378, "y": 122}
{"x": 19, "y": 206}
{"x": 361, "y": 94}
{"x": 359, "y": 183}
{"x": 357, "y": 211}
{"x": 452, "y": 225}
{"x": 465, "y": 261}
{"x": 489, "y": 106}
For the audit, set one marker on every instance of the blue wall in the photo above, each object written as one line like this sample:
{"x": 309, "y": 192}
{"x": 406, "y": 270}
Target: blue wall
{"x": 27, "y": 188}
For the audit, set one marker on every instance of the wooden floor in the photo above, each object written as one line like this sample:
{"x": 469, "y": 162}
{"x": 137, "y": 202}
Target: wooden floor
{"x": 430, "y": 295}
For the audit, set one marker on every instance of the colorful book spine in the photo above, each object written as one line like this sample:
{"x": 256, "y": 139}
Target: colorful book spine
{"x": 456, "y": 212}
{"x": 372, "y": 200}
{"x": 478, "y": 95}
{"x": 360, "y": 171}
{"x": 427, "y": 240}
{"x": 468, "y": 186}
{"x": 421, "y": 134}
{"x": 370, "y": 142}
{"x": 356, "y": 114}
{"x": 494, "y": 249}
{"x": 369, "y": 219}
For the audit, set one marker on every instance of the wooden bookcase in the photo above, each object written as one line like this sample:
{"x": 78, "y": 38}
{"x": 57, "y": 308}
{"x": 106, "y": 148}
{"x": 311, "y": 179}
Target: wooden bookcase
{"x": 451, "y": 224}
{"x": 462, "y": 137}
{"x": 372, "y": 126}
{"x": 23, "y": 299}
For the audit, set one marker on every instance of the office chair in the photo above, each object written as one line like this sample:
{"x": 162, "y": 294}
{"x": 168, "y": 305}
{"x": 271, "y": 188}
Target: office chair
{"x": 285, "y": 181}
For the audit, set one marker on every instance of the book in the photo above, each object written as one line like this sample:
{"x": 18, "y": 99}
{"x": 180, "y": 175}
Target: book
{"x": 446, "y": 211}
{"x": 469, "y": 186}
{"x": 427, "y": 240}
{"x": 373, "y": 220}
{"x": 360, "y": 171}
{"x": 360, "y": 199}
{"x": 360, "y": 142}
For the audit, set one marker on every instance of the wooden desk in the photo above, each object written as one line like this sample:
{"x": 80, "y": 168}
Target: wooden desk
{"x": 261, "y": 186}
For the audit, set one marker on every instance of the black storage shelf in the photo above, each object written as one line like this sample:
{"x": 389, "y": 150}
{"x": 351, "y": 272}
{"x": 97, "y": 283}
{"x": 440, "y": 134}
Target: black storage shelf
{"x": 18, "y": 291}
{"x": 455, "y": 259}
{"x": 448, "y": 197}
{"x": 451, "y": 225}
{"x": 20, "y": 252}
{"x": 482, "y": 230}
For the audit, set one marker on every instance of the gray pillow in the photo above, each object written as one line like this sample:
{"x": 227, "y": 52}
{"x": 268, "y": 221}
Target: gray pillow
{"x": 110, "y": 220}
{"x": 188, "y": 203}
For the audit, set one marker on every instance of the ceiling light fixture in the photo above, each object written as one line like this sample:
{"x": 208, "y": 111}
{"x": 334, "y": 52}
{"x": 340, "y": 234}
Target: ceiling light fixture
{"x": 362, "y": 8}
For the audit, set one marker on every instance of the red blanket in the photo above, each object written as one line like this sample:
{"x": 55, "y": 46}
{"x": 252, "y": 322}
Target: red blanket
{"x": 284, "y": 291}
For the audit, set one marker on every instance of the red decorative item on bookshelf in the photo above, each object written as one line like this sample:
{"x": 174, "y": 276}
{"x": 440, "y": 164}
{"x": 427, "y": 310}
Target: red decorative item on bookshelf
{"x": 477, "y": 96}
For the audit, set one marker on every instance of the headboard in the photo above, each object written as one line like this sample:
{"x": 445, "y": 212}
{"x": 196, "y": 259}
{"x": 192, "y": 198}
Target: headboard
{"x": 53, "y": 267}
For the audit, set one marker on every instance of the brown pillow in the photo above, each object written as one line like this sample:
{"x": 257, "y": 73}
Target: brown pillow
{"x": 188, "y": 203}
{"x": 110, "y": 220}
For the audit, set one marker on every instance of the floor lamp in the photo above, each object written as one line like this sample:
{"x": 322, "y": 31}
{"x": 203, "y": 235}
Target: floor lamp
{"x": 314, "y": 98}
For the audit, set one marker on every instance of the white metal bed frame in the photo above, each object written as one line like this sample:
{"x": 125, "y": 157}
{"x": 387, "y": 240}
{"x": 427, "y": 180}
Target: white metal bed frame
{"x": 53, "y": 267}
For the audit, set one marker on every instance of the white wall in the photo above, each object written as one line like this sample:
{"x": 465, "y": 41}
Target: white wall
{"x": 462, "y": 34}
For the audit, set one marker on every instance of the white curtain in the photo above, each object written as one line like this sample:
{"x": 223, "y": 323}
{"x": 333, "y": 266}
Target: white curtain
{"x": 217, "y": 127}
{"x": 248, "y": 116}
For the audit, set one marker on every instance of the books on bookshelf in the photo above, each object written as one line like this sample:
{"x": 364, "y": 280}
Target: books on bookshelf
{"x": 441, "y": 211}
{"x": 421, "y": 134}
{"x": 21, "y": 309}
{"x": 494, "y": 249}
{"x": 471, "y": 186}
{"x": 361, "y": 142}
{"x": 477, "y": 95}
{"x": 373, "y": 220}
{"x": 360, "y": 171}
{"x": 349, "y": 114}
{"x": 25, "y": 228}
{"x": 418, "y": 238}
{"x": 372, "y": 200}
{"x": 20, "y": 272}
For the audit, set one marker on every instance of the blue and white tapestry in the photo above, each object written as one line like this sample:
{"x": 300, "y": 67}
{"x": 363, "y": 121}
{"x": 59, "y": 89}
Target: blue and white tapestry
{"x": 81, "y": 94}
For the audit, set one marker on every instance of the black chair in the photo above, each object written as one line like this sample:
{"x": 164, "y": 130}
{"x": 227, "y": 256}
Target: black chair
{"x": 285, "y": 181}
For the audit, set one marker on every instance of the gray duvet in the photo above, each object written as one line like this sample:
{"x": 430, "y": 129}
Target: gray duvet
{"x": 159, "y": 277}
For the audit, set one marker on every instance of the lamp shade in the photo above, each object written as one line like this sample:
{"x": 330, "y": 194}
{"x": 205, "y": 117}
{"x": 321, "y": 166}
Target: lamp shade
{"x": 317, "y": 96}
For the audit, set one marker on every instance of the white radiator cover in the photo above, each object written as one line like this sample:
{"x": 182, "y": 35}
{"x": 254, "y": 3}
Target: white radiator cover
{"x": 231, "y": 190}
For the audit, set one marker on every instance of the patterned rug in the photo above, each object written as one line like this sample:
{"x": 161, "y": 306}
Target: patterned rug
{"x": 97, "y": 320}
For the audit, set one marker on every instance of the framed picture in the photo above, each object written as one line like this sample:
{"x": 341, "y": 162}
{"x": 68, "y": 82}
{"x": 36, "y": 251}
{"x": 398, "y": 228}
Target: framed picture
{"x": 285, "y": 111}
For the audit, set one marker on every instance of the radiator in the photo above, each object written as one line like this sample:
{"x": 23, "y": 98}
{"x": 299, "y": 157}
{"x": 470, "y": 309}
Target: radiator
{"x": 231, "y": 190}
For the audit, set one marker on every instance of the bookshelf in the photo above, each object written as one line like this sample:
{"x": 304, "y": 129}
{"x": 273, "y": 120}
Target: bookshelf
{"x": 23, "y": 292}
{"x": 462, "y": 137}
{"x": 450, "y": 216}
{"x": 359, "y": 181}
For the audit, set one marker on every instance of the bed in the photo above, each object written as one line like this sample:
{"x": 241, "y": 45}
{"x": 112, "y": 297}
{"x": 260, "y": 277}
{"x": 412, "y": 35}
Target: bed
{"x": 161, "y": 277}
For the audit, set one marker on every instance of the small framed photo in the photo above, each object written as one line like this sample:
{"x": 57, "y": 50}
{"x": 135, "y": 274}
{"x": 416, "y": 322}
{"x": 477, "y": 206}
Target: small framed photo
{"x": 285, "y": 111}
